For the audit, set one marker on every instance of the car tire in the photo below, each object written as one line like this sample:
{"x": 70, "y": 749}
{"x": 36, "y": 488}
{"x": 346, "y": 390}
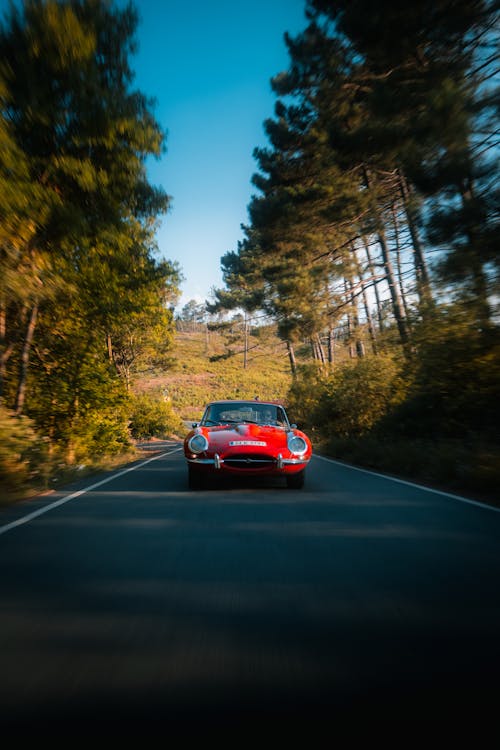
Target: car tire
{"x": 296, "y": 481}
{"x": 195, "y": 479}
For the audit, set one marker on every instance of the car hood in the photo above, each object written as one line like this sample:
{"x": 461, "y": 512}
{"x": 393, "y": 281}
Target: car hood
{"x": 242, "y": 434}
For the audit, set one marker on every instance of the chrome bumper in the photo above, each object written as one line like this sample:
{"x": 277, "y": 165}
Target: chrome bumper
{"x": 280, "y": 462}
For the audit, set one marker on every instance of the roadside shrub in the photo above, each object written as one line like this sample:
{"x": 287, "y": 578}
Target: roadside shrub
{"x": 350, "y": 401}
{"x": 455, "y": 389}
{"x": 100, "y": 432}
{"x": 21, "y": 453}
{"x": 307, "y": 391}
{"x": 361, "y": 394}
{"x": 153, "y": 416}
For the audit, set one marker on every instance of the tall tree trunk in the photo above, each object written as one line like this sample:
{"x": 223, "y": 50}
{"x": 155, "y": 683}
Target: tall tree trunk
{"x": 371, "y": 267}
{"x": 369, "y": 320}
{"x": 321, "y": 350}
{"x": 245, "y": 337}
{"x": 25, "y": 356}
{"x": 399, "y": 263}
{"x": 358, "y": 345}
{"x": 397, "y": 307}
{"x": 421, "y": 270}
{"x": 6, "y": 349}
{"x": 331, "y": 346}
{"x": 317, "y": 348}
{"x": 479, "y": 282}
{"x": 291, "y": 357}
{"x": 109, "y": 346}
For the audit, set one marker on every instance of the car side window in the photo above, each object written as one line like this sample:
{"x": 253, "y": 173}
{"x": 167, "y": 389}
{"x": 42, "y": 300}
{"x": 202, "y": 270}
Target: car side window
{"x": 282, "y": 420}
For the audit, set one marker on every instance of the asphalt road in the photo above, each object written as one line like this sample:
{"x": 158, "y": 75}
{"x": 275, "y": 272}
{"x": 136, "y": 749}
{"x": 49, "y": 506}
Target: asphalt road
{"x": 358, "y": 603}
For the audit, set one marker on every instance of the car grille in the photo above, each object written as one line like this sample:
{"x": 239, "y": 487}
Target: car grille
{"x": 250, "y": 461}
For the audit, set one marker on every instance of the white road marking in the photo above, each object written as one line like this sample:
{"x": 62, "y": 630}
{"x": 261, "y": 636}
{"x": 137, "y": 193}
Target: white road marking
{"x": 73, "y": 495}
{"x": 409, "y": 484}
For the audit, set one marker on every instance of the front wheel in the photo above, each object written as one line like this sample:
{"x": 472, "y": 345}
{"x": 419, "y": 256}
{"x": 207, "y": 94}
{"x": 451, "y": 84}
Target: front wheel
{"x": 296, "y": 481}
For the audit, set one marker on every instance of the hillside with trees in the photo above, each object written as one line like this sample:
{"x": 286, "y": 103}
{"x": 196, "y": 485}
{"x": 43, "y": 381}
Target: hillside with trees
{"x": 235, "y": 359}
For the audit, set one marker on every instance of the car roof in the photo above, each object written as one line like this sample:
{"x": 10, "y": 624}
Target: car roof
{"x": 246, "y": 401}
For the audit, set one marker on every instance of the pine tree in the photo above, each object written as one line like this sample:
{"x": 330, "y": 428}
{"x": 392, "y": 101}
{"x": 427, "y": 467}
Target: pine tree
{"x": 428, "y": 94}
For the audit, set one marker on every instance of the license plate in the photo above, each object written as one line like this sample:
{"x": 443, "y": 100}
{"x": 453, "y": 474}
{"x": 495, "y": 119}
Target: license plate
{"x": 248, "y": 442}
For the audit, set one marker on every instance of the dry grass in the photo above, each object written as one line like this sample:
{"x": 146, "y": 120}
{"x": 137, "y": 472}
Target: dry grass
{"x": 196, "y": 379}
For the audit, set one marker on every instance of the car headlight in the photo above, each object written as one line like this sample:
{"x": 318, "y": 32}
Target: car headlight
{"x": 297, "y": 445}
{"x": 198, "y": 443}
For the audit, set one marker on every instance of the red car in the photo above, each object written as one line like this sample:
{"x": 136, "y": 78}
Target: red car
{"x": 246, "y": 438}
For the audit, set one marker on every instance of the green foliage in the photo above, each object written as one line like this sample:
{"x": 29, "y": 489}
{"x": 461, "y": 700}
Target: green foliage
{"x": 306, "y": 391}
{"x": 21, "y": 452}
{"x": 454, "y": 382}
{"x": 434, "y": 418}
{"x": 98, "y": 432}
{"x": 84, "y": 303}
{"x": 75, "y": 395}
{"x": 194, "y": 313}
{"x": 153, "y": 416}
{"x": 350, "y": 401}
{"x": 388, "y": 146}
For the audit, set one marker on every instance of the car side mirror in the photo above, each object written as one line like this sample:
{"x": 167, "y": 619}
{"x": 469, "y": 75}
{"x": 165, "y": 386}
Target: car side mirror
{"x": 195, "y": 424}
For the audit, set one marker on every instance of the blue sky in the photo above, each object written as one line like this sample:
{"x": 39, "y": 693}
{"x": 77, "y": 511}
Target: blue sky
{"x": 209, "y": 65}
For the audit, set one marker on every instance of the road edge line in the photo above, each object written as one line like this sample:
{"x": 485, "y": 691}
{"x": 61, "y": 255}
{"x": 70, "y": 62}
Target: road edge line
{"x": 409, "y": 484}
{"x": 78, "y": 493}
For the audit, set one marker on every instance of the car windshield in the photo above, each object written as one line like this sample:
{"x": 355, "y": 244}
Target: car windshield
{"x": 258, "y": 413}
